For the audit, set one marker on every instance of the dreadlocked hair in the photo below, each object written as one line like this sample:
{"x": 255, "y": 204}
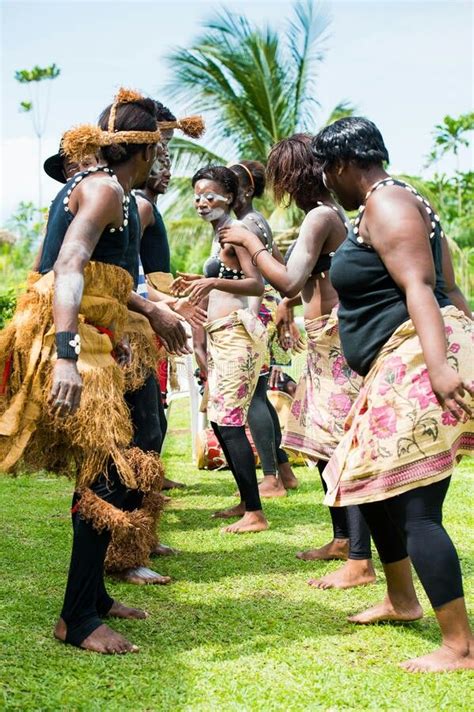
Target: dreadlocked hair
{"x": 136, "y": 115}
{"x": 294, "y": 173}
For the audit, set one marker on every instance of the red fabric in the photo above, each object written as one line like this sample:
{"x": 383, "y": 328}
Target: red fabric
{"x": 6, "y": 374}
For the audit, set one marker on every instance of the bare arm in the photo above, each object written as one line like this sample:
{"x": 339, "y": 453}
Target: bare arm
{"x": 403, "y": 245}
{"x": 97, "y": 207}
{"x": 251, "y": 286}
{"x": 145, "y": 211}
{"x": 289, "y": 279}
{"x": 452, "y": 290}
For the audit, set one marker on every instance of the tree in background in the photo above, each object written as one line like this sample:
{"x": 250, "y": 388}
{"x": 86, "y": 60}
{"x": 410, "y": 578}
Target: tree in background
{"x": 454, "y": 194}
{"x": 38, "y": 104}
{"x": 255, "y": 86}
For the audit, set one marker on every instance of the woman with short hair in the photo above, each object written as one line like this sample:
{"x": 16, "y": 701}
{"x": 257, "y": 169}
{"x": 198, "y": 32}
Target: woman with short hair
{"x": 236, "y": 341}
{"x": 412, "y": 421}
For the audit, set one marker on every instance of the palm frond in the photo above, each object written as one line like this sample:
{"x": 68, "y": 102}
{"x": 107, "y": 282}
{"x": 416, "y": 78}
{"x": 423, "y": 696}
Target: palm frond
{"x": 306, "y": 34}
{"x": 341, "y": 110}
{"x": 189, "y": 156}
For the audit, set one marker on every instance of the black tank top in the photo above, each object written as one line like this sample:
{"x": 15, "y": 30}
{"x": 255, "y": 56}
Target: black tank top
{"x": 114, "y": 245}
{"x": 371, "y": 305}
{"x": 154, "y": 248}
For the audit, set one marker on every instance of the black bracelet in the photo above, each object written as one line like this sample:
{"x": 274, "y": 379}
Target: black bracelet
{"x": 256, "y": 254}
{"x": 68, "y": 345}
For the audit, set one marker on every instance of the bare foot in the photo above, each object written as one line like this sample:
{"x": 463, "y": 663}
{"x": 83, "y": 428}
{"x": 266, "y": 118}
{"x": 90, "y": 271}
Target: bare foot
{"x": 445, "y": 659}
{"x": 386, "y": 611}
{"x": 285, "y": 473}
{"x": 166, "y": 500}
{"x": 352, "y": 573}
{"x": 336, "y": 549}
{"x": 119, "y": 610}
{"x": 271, "y": 486}
{"x": 163, "y": 550}
{"x": 102, "y": 640}
{"x": 250, "y": 522}
{"x": 141, "y": 575}
{"x": 169, "y": 484}
{"x": 236, "y": 511}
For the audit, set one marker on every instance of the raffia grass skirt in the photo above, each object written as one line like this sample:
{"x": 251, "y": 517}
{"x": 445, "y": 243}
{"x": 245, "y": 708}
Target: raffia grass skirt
{"x": 397, "y": 436}
{"x": 81, "y": 444}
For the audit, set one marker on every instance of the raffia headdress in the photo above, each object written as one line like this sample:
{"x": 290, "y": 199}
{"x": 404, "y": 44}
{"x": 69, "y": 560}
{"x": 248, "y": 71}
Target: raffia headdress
{"x": 86, "y": 139}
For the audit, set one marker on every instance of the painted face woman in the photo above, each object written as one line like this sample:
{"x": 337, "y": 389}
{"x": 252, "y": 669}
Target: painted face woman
{"x": 236, "y": 341}
{"x": 263, "y": 419}
{"x": 413, "y": 419}
{"x": 327, "y": 387}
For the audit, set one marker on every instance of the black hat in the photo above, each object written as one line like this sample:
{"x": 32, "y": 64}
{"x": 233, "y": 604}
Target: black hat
{"x": 54, "y": 166}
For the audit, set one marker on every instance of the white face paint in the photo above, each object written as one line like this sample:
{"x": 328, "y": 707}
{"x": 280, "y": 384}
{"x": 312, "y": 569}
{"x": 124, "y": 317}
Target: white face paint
{"x": 68, "y": 289}
{"x": 214, "y": 214}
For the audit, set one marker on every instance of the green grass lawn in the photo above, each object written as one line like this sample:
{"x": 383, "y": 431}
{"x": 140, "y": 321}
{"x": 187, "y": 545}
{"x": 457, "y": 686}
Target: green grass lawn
{"x": 238, "y": 629}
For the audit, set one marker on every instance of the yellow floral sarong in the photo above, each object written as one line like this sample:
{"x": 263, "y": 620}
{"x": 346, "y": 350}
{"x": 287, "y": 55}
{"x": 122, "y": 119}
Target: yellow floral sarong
{"x": 101, "y": 428}
{"x": 236, "y": 348}
{"x": 324, "y": 395}
{"x": 398, "y": 437}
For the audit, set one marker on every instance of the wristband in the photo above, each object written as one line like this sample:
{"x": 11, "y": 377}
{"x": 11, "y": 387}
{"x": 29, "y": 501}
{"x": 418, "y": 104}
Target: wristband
{"x": 256, "y": 254}
{"x": 68, "y": 345}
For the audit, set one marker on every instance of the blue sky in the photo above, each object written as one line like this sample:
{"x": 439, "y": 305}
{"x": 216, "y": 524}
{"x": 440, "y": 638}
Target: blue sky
{"x": 403, "y": 63}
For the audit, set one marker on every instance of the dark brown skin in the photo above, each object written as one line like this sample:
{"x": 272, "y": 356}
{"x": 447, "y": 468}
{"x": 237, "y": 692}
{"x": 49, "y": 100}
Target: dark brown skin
{"x": 96, "y": 204}
{"x": 321, "y": 231}
{"x": 251, "y": 285}
{"x": 398, "y": 229}
{"x": 157, "y": 184}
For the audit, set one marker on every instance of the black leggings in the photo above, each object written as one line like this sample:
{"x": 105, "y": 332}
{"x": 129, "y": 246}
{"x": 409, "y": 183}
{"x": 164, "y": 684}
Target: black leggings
{"x": 265, "y": 428}
{"x": 241, "y": 460}
{"x": 86, "y": 599}
{"x": 348, "y": 523}
{"x": 148, "y": 415}
{"x": 411, "y": 525}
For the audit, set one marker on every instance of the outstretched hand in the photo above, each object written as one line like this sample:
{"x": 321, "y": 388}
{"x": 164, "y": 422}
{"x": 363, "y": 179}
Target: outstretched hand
{"x": 178, "y": 284}
{"x": 170, "y": 328}
{"x": 199, "y": 289}
{"x": 194, "y": 314}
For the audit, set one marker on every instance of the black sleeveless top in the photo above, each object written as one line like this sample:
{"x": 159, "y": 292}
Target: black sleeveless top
{"x": 371, "y": 305}
{"x": 114, "y": 245}
{"x": 154, "y": 247}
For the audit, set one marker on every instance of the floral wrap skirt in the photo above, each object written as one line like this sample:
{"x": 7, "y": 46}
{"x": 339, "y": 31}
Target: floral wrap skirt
{"x": 236, "y": 348}
{"x": 324, "y": 395}
{"x": 397, "y": 436}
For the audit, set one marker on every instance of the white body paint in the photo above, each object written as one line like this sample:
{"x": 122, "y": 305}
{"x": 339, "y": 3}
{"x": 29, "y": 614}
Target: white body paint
{"x": 68, "y": 289}
{"x": 214, "y": 214}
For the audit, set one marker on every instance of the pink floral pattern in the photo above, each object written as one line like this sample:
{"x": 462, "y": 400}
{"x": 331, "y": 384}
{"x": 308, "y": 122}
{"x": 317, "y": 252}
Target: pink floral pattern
{"x": 448, "y": 418}
{"x": 340, "y": 404}
{"x": 235, "y": 358}
{"x": 393, "y": 374}
{"x": 398, "y": 436}
{"x": 421, "y": 389}
{"x": 383, "y": 421}
{"x": 325, "y": 393}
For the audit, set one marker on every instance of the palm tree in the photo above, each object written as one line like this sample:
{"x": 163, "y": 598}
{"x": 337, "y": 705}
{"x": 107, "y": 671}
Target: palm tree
{"x": 254, "y": 86}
